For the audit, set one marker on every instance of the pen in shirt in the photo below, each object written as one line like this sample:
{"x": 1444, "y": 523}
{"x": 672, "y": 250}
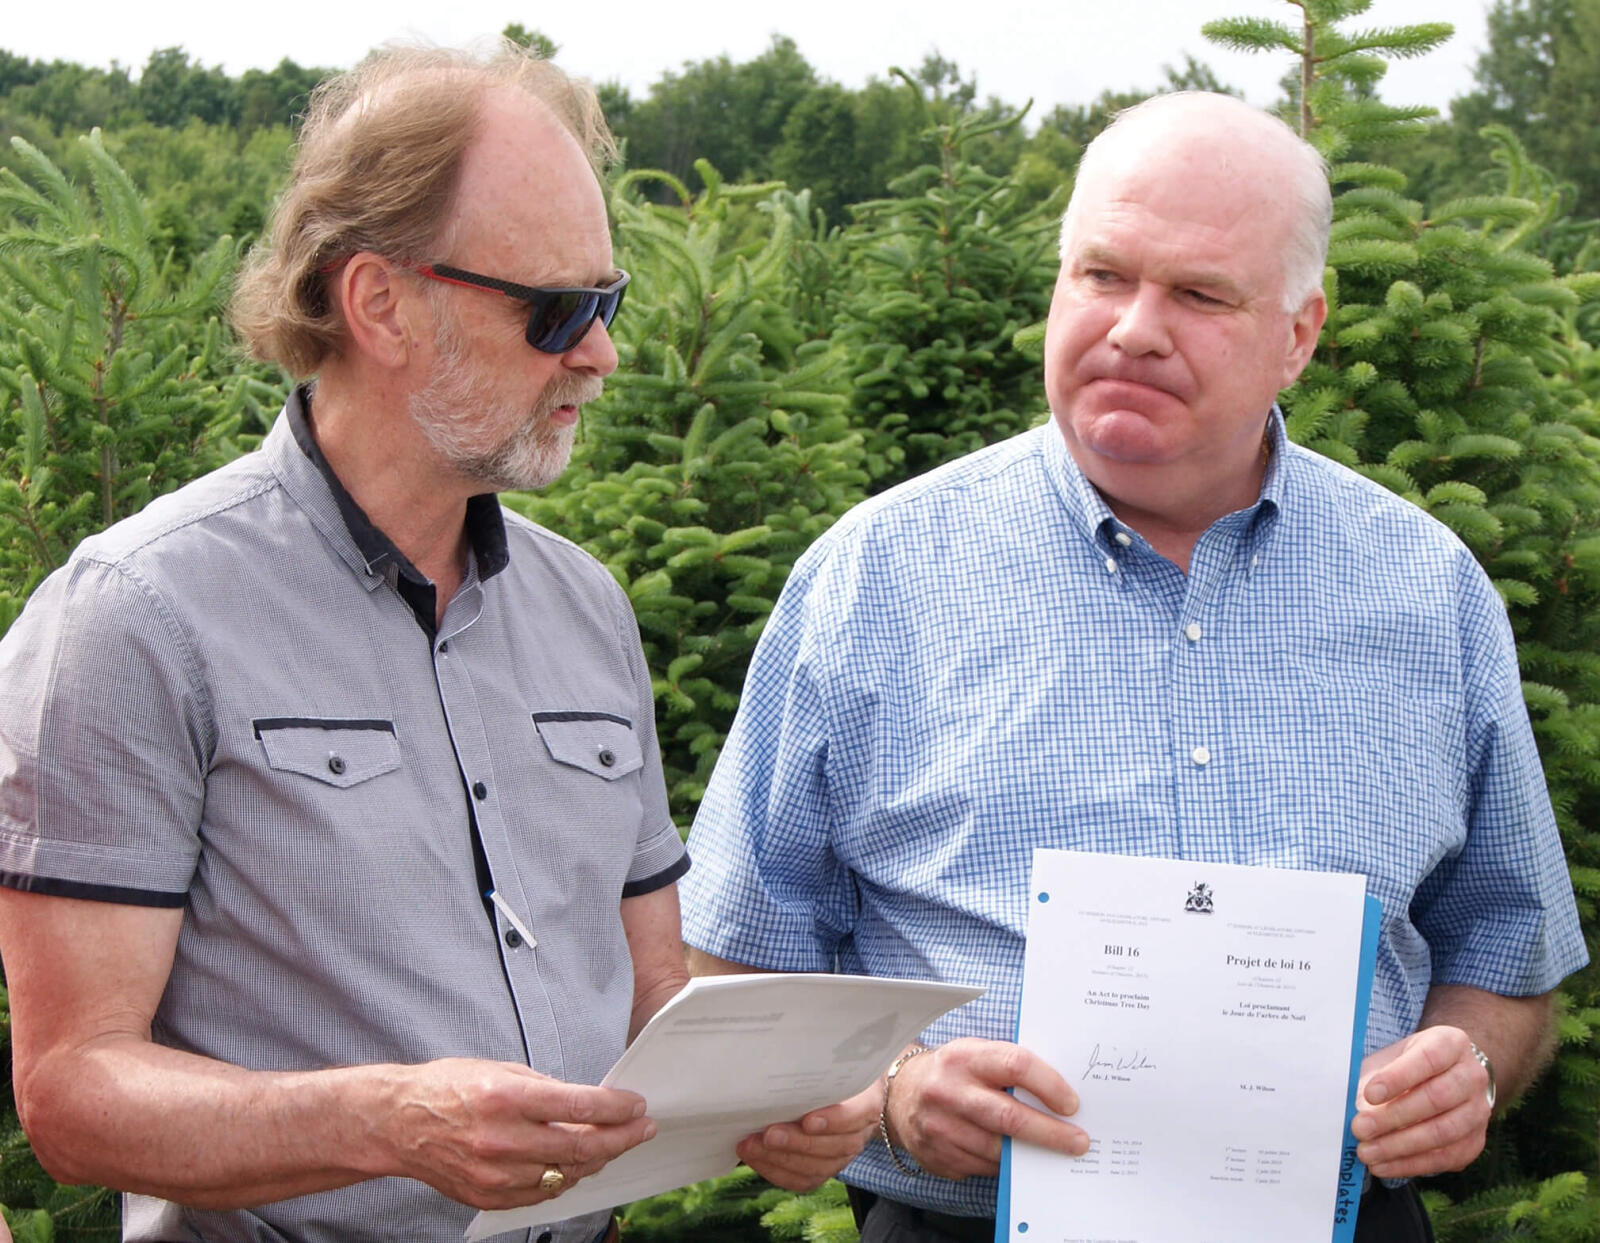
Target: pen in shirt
{"x": 504, "y": 908}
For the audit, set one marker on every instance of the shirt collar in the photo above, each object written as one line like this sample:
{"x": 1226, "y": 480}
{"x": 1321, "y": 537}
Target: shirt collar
{"x": 1093, "y": 516}
{"x": 485, "y": 525}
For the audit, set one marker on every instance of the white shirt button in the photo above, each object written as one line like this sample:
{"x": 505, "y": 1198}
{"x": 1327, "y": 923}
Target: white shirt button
{"x": 1192, "y": 632}
{"x": 1201, "y": 756}
{"x": 1255, "y": 560}
{"x": 1111, "y": 565}
{"x": 1124, "y": 539}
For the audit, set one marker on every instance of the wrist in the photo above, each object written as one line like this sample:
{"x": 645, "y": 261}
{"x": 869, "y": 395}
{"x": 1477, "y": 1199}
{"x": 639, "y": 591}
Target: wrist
{"x": 374, "y": 1101}
{"x": 895, "y": 1067}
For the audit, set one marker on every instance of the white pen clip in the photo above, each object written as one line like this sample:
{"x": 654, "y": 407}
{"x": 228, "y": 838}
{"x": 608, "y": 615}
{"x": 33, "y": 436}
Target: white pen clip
{"x": 504, "y": 908}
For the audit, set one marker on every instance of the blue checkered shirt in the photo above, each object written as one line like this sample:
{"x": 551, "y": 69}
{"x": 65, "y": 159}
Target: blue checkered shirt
{"x": 984, "y": 660}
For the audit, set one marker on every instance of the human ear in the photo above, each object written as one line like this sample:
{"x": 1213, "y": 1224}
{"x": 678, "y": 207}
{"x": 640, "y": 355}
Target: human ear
{"x": 1304, "y": 330}
{"x": 380, "y": 309}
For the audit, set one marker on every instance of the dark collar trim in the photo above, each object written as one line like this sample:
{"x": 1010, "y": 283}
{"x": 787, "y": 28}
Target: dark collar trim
{"x": 485, "y": 524}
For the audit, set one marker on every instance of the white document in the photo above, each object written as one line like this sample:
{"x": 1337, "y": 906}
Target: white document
{"x": 731, "y": 1054}
{"x": 1203, "y": 1013}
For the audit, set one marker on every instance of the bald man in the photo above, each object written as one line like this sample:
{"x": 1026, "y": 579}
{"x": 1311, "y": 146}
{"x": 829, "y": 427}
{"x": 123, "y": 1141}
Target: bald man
{"x": 1152, "y": 626}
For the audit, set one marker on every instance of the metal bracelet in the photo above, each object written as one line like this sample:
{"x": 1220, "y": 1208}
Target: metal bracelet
{"x": 883, "y": 1114}
{"x": 1483, "y": 1060}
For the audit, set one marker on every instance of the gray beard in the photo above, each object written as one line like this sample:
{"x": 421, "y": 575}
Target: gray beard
{"x": 455, "y": 407}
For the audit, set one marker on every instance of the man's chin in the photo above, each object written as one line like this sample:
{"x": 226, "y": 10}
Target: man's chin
{"x": 543, "y": 464}
{"x": 1128, "y": 437}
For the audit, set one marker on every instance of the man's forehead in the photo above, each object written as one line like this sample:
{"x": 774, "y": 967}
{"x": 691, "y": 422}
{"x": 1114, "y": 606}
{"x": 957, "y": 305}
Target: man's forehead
{"x": 1189, "y": 187}
{"x": 527, "y": 189}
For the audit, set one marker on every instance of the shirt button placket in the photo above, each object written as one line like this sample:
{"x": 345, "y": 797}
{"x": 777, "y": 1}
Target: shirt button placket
{"x": 1202, "y": 807}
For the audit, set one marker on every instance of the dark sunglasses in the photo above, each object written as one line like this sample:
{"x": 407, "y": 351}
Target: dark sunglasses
{"x": 557, "y": 318}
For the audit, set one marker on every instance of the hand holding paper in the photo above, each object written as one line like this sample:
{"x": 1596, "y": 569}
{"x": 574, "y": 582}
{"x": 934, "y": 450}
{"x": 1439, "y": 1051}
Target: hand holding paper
{"x": 731, "y": 1055}
{"x": 1423, "y": 1105}
{"x": 950, "y": 1107}
{"x": 802, "y": 1155}
{"x": 484, "y": 1132}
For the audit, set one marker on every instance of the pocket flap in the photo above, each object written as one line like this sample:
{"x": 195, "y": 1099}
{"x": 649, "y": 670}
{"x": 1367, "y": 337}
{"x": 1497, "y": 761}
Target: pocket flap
{"x": 335, "y": 751}
{"x": 597, "y": 742}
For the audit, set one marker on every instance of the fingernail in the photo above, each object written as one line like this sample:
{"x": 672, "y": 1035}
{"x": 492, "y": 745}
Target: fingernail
{"x": 1080, "y": 1145}
{"x": 649, "y": 1130}
{"x": 776, "y": 1138}
{"x": 1377, "y": 1093}
{"x": 638, "y": 1110}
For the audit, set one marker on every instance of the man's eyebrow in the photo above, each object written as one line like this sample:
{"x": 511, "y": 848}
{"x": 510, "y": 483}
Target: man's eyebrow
{"x": 1094, "y": 254}
{"x": 1201, "y": 278}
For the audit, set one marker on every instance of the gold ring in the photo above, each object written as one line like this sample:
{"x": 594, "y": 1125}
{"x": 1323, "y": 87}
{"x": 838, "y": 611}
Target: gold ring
{"x": 552, "y": 1181}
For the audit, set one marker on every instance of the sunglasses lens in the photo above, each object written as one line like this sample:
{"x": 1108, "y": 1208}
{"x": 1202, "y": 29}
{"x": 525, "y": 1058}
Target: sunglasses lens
{"x": 559, "y": 320}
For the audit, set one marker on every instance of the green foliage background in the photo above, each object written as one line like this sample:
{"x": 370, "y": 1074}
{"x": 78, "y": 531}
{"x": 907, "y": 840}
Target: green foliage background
{"x": 835, "y": 289}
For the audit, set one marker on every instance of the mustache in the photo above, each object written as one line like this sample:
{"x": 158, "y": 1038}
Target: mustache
{"x": 571, "y": 390}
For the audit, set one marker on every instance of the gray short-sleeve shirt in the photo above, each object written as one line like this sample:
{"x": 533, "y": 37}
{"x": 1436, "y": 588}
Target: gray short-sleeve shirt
{"x": 220, "y": 704}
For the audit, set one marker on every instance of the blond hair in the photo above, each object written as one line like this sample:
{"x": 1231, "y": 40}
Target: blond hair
{"x": 376, "y": 169}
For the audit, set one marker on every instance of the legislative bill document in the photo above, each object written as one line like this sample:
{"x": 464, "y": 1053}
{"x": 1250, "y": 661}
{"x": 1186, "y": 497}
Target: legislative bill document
{"x": 1205, "y": 1014}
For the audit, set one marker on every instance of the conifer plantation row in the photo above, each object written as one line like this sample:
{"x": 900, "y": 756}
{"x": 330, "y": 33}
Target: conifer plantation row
{"x": 834, "y": 290}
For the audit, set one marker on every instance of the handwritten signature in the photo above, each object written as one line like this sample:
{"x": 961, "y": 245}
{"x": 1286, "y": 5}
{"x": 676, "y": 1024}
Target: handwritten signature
{"x": 1137, "y": 1060}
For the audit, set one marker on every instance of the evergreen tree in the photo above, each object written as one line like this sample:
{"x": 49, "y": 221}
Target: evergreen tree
{"x": 117, "y": 381}
{"x": 66, "y": 96}
{"x": 945, "y": 271}
{"x": 730, "y": 115}
{"x": 741, "y": 1208}
{"x": 1537, "y": 79}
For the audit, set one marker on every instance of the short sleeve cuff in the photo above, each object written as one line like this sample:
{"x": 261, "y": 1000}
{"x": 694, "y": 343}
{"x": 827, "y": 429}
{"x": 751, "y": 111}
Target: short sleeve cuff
{"x": 53, "y": 888}
{"x": 1515, "y": 959}
{"x": 81, "y": 869}
{"x": 638, "y": 888}
{"x": 657, "y": 855}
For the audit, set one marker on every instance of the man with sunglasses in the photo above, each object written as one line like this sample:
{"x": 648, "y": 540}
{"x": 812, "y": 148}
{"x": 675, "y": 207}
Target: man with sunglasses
{"x": 335, "y": 860}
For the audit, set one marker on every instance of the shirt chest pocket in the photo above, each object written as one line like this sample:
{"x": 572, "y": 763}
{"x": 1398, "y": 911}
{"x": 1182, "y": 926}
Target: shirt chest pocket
{"x": 596, "y": 742}
{"x": 335, "y": 751}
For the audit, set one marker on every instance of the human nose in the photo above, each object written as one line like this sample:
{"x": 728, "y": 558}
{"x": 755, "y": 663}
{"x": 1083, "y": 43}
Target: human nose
{"x": 1141, "y": 324}
{"x": 596, "y": 354}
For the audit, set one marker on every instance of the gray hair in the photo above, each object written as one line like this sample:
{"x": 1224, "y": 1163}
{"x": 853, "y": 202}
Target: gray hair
{"x": 1306, "y": 178}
